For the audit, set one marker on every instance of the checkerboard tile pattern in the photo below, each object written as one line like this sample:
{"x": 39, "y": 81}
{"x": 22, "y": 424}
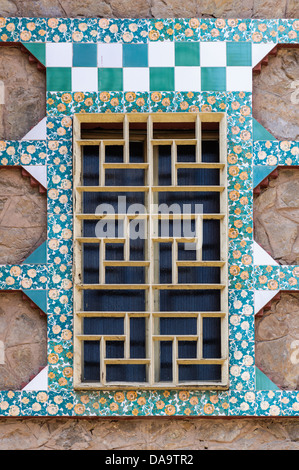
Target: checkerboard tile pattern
{"x": 153, "y": 66}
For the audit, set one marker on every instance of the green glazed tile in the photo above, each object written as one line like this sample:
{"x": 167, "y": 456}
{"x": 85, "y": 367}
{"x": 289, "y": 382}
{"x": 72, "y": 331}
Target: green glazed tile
{"x": 39, "y": 256}
{"x": 263, "y": 382}
{"x": 135, "y": 55}
{"x": 213, "y": 78}
{"x": 187, "y": 53}
{"x": 37, "y": 49}
{"x": 162, "y": 79}
{"x": 84, "y": 55}
{"x": 39, "y": 297}
{"x": 59, "y": 79}
{"x": 259, "y": 132}
{"x": 110, "y": 79}
{"x": 238, "y": 53}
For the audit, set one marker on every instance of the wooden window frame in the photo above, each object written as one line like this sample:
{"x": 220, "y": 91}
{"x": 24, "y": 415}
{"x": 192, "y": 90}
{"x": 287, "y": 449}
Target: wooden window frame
{"x": 151, "y": 286}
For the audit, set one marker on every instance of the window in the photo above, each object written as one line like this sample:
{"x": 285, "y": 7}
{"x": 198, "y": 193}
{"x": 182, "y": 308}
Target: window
{"x": 150, "y": 251}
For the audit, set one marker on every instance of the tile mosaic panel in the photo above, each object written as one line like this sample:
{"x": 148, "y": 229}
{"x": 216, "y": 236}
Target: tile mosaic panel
{"x": 149, "y": 65}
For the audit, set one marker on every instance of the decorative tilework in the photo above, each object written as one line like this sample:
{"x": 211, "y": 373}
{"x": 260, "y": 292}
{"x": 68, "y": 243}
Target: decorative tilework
{"x": 187, "y": 29}
{"x": 9, "y": 29}
{"x": 32, "y": 29}
{"x": 84, "y": 30}
{"x": 59, "y": 30}
{"x": 264, "y": 30}
{"x": 160, "y": 29}
{"x": 59, "y": 103}
{"x": 136, "y": 102}
{"x": 107, "y": 56}
{"x": 9, "y": 152}
{"x": 288, "y": 31}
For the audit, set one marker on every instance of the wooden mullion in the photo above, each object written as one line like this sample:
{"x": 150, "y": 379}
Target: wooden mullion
{"x": 175, "y": 367}
{"x": 174, "y": 256}
{"x": 127, "y": 139}
{"x": 198, "y": 154}
{"x": 102, "y": 154}
{"x": 174, "y": 179}
{"x": 102, "y": 274}
{"x": 199, "y": 337}
{"x": 127, "y": 336}
{"x": 199, "y": 237}
{"x": 102, "y": 360}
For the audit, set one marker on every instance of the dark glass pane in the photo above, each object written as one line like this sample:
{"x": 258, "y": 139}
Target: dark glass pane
{"x": 114, "y": 349}
{"x": 114, "y": 154}
{"x": 165, "y": 251}
{"x": 114, "y": 300}
{"x": 90, "y": 164}
{"x": 190, "y": 300}
{"x": 211, "y": 337}
{"x": 200, "y": 373}
{"x": 104, "y": 326}
{"x": 137, "y": 338}
{"x": 124, "y": 177}
{"x": 136, "y": 152}
{"x": 164, "y": 165}
{"x": 210, "y": 151}
{"x": 186, "y": 153}
{"x": 125, "y": 275}
{"x": 91, "y": 365}
{"x": 126, "y": 373}
{"x": 165, "y": 361}
{"x": 91, "y": 262}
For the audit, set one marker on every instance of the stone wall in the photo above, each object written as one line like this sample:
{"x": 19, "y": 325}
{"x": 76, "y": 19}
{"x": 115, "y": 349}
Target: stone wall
{"x": 149, "y": 434}
{"x": 23, "y": 330}
{"x": 25, "y": 93}
{"x": 276, "y": 217}
{"x": 276, "y": 334}
{"x": 152, "y": 8}
{"x": 26, "y": 88}
{"x": 23, "y": 216}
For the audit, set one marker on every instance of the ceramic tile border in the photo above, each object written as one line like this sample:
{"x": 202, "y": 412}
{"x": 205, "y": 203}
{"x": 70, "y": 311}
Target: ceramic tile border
{"x": 13, "y": 29}
{"x": 246, "y": 275}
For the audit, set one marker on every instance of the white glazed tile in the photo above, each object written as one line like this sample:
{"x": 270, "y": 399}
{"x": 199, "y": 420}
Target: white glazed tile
{"x": 187, "y": 78}
{"x": 213, "y": 54}
{"x": 238, "y": 78}
{"x": 85, "y": 79}
{"x": 110, "y": 55}
{"x": 261, "y": 257}
{"x": 161, "y": 54}
{"x": 262, "y": 297}
{"x": 38, "y": 172}
{"x": 39, "y": 383}
{"x": 38, "y": 132}
{"x": 59, "y": 54}
{"x": 259, "y": 51}
{"x": 136, "y": 78}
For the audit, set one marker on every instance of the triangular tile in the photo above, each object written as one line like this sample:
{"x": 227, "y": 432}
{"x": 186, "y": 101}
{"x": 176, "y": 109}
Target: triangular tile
{"x": 38, "y": 50}
{"x": 39, "y": 256}
{"x": 38, "y": 132}
{"x": 39, "y": 297}
{"x": 259, "y": 132}
{"x": 263, "y": 382}
{"x": 260, "y": 172}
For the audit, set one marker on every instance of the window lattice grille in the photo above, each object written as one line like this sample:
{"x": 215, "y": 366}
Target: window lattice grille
{"x": 150, "y": 292}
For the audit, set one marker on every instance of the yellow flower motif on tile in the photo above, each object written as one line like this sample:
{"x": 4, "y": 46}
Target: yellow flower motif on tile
{"x": 170, "y": 410}
{"x": 208, "y": 408}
